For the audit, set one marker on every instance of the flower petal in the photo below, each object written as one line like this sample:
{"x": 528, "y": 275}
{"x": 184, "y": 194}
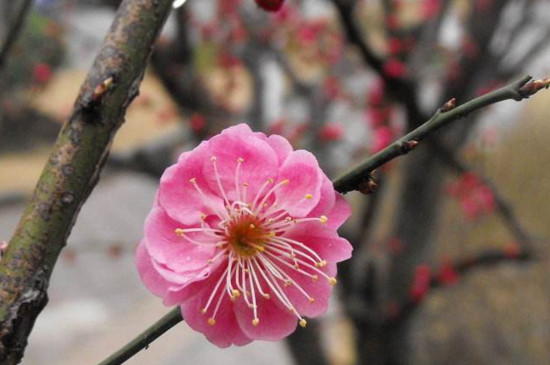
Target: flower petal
{"x": 178, "y": 195}
{"x": 339, "y": 213}
{"x": 172, "y": 250}
{"x": 276, "y": 321}
{"x": 259, "y": 163}
{"x": 281, "y": 146}
{"x": 319, "y": 290}
{"x": 322, "y": 239}
{"x": 303, "y": 191}
{"x": 226, "y": 330}
{"x": 153, "y": 281}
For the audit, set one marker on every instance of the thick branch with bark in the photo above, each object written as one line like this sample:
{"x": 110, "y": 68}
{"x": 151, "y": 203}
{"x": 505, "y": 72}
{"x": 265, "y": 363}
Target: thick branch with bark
{"x": 73, "y": 169}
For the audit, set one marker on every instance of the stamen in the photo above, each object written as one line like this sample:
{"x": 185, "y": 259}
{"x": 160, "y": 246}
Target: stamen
{"x": 237, "y": 173}
{"x": 205, "y": 200}
{"x": 218, "y": 180}
{"x": 259, "y": 193}
{"x": 271, "y": 191}
{"x": 205, "y": 309}
{"x": 303, "y": 323}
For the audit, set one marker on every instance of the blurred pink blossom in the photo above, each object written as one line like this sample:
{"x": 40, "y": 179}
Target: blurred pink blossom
{"x": 331, "y": 132}
{"x": 382, "y": 137}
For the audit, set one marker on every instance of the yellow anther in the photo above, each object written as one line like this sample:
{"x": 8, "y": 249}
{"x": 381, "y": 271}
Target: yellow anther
{"x": 179, "y": 231}
{"x": 332, "y": 281}
{"x": 255, "y": 321}
{"x": 252, "y": 226}
{"x": 314, "y": 277}
{"x": 297, "y": 267}
{"x": 203, "y": 216}
{"x": 219, "y": 245}
{"x": 285, "y": 181}
{"x": 211, "y": 321}
{"x": 323, "y": 219}
{"x": 266, "y": 296}
{"x": 271, "y": 234}
{"x": 309, "y": 196}
{"x": 303, "y": 322}
{"x": 240, "y": 160}
{"x": 321, "y": 263}
{"x": 288, "y": 282}
{"x": 193, "y": 180}
{"x": 236, "y": 293}
{"x": 270, "y": 180}
{"x": 203, "y": 311}
{"x": 311, "y": 300}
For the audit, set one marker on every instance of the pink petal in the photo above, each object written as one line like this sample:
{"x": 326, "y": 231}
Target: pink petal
{"x": 172, "y": 250}
{"x": 276, "y": 321}
{"x": 259, "y": 162}
{"x": 319, "y": 290}
{"x": 339, "y": 213}
{"x": 327, "y": 200}
{"x": 153, "y": 281}
{"x": 179, "y": 197}
{"x": 237, "y": 130}
{"x": 332, "y": 205}
{"x": 322, "y": 239}
{"x": 281, "y": 146}
{"x": 226, "y": 330}
{"x": 303, "y": 191}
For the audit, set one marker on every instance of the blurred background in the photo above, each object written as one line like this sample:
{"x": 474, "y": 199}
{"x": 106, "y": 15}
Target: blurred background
{"x": 451, "y": 256}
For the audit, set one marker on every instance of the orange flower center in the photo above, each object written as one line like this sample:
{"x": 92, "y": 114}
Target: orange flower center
{"x": 246, "y": 236}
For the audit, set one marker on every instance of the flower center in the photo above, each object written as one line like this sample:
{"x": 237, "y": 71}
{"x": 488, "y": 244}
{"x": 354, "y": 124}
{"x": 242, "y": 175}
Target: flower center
{"x": 246, "y": 236}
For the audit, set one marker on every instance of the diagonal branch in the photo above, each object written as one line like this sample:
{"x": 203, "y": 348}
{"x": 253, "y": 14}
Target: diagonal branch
{"x": 353, "y": 179}
{"x": 402, "y": 90}
{"x": 73, "y": 169}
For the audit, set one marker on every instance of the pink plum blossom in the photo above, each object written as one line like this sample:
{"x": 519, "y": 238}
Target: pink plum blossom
{"x": 243, "y": 237}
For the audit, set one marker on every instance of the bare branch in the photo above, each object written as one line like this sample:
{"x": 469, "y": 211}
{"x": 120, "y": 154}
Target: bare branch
{"x": 352, "y": 179}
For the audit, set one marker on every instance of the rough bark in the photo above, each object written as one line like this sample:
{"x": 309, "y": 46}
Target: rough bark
{"x": 73, "y": 169}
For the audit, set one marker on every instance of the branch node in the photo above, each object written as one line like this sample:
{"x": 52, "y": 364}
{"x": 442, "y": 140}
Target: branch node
{"x": 92, "y": 101}
{"x": 407, "y": 146}
{"x": 533, "y": 87}
{"x": 369, "y": 185}
{"x": 450, "y": 105}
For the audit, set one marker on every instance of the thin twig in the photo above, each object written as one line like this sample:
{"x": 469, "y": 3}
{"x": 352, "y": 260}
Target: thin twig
{"x": 352, "y": 179}
{"x": 145, "y": 338}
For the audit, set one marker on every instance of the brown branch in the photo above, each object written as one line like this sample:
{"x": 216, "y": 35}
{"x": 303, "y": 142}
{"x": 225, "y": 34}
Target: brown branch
{"x": 73, "y": 169}
{"x": 401, "y": 89}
